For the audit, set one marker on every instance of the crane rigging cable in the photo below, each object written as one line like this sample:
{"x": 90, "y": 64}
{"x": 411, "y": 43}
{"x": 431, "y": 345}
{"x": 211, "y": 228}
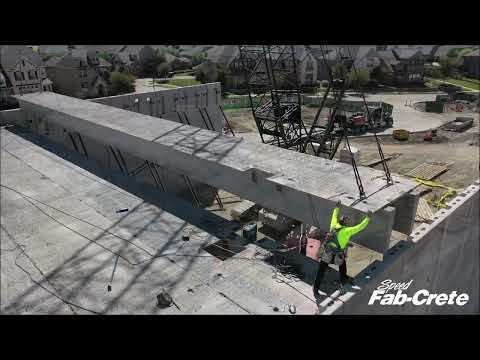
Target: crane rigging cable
{"x": 379, "y": 147}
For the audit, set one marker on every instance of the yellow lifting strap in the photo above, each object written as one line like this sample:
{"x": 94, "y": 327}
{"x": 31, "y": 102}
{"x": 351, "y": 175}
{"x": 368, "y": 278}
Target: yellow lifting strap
{"x": 440, "y": 203}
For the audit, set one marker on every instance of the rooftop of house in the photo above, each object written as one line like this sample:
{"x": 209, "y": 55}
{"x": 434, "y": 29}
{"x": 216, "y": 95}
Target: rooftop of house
{"x": 11, "y": 54}
{"x": 53, "y": 49}
{"x": 404, "y": 53}
{"x": 223, "y": 54}
{"x": 77, "y": 58}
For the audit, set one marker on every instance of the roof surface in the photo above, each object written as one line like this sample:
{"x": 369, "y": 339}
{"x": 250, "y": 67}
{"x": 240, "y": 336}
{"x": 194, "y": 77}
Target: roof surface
{"x": 10, "y": 54}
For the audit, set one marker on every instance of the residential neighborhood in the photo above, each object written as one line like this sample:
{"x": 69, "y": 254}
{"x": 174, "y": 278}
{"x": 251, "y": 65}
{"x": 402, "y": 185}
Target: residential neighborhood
{"x": 84, "y": 71}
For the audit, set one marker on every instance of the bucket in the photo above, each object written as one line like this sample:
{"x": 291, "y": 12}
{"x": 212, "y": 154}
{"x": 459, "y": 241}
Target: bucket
{"x": 250, "y": 232}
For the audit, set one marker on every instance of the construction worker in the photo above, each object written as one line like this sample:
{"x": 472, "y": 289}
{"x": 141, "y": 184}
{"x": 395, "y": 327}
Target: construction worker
{"x": 334, "y": 246}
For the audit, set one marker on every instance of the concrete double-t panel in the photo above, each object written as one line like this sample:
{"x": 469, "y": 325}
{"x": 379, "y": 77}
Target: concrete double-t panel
{"x": 298, "y": 185}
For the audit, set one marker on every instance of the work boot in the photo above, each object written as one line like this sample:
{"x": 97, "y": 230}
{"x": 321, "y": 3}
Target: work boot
{"x": 351, "y": 281}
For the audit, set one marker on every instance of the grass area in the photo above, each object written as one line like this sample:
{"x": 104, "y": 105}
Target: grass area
{"x": 469, "y": 84}
{"x": 168, "y": 86}
{"x": 183, "y": 82}
{"x": 177, "y": 82}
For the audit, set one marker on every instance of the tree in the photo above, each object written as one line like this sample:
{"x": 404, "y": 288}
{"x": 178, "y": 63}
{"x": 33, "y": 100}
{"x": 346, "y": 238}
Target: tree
{"x": 163, "y": 69}
{"x": 448, "y": 66}
{"x": 101, "y": 90}
{"x": 359, "y": 78}
{"x": 433, "y": 72}
{"x": 200, "y": 75}
{"x": 380, "y": 74}
{"x": 198, "y": 58}
{"x": 340, "y": 71}
{"x": 105, "y": 56}
{"x": 222, "y": 74}
{"x": 150, "y": 65}
{"x": 121, "y": 83}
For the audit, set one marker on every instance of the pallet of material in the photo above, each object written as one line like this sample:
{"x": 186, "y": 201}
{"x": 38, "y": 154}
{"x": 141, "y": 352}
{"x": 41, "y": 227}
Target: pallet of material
{"x": 427, "y": 171}
{"x": 424, "y": 211}
{"x": 243, "y": 210}
{"x": 460, "y": 124}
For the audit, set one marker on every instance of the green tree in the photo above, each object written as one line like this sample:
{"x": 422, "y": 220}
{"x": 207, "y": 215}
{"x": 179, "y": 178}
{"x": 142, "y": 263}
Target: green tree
{"x": 200, "y": 75}
{"x": 448, "y": 66}
{"x": 150, "y": 65}
{"x": 121, "y": 83}
{"x": 163, "y": 69}
{"x": 222, "y": 74}
{"x": 105, "y": 56}
{"x": 433, "y": 72}
{"x": 340, "y": 71}
{"x": 101, "y": 90}
{"x": 198, "y": 58}
{"x": 380, "y": 74}
{"x": 358, "y": 78}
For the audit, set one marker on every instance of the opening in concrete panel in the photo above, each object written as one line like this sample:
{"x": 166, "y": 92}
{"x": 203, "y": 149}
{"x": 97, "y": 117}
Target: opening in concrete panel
{"x": 225, "y": 249}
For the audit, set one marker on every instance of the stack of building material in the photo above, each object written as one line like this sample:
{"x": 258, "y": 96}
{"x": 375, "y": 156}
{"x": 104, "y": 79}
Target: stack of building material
{"x": 427, "y": 171}
{"x": 460, "y": 124}
{"x": 243, "y": 210}
{"x": 278, "y": 222}
{"x": 424, "y": 211}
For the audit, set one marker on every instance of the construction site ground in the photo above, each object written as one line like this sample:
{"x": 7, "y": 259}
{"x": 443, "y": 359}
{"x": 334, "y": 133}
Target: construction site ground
{"x": 405, "y": 116}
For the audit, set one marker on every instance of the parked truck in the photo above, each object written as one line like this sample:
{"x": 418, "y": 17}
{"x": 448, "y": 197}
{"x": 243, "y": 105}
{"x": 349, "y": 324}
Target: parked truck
{"x": 356, "y": 117}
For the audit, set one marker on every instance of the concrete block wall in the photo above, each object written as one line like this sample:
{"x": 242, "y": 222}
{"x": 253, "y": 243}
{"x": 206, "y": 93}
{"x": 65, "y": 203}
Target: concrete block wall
{"x": 172, "y": 180}
{"x": 197, "y": 105}
{"x": 440, "y": 257}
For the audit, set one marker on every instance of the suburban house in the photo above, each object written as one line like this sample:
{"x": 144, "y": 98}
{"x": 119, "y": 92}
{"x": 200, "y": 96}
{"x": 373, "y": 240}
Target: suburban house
{"x": 79, "y": 73}
{"x": 23, "y": 70}
{"x": 471, "y": 64}
{"x": 132, "y": 57}
{"x": 122, "y": 61}
{"x": 405, "y": 65}
{"x": 229, "y": 56}
{"x": 177, "y": 62}
{"x": 5, "y": 92}
{"x": 328, "y": 56}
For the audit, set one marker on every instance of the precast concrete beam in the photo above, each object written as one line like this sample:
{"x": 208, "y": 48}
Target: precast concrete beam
{"x": 297, "y": 185}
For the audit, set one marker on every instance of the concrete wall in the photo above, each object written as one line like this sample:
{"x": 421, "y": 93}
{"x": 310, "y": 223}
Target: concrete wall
{"x": 197, "y": 105}
{"x": 441, "y": 257}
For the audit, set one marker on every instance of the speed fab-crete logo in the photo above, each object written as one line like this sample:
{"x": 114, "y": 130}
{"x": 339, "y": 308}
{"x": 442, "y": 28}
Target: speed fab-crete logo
{"x": 392, "y": 293}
